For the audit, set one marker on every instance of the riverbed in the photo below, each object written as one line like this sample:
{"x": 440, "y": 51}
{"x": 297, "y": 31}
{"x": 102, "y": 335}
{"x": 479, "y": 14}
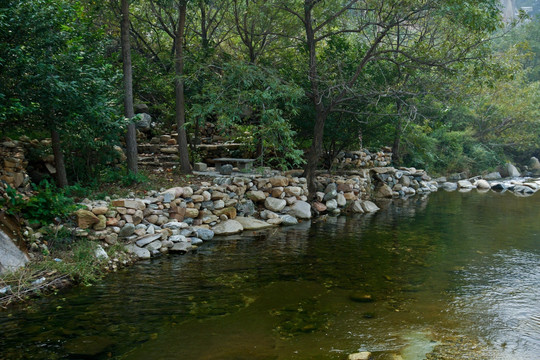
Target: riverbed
{"x": 449, "y": 276}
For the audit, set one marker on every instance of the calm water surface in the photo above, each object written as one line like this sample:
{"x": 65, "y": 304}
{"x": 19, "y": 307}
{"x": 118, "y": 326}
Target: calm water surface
{"x": 452, "y": 276}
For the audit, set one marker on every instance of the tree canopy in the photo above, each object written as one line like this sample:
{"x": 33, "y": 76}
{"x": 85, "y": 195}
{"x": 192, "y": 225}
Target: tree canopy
{"x": 444, "y": 82}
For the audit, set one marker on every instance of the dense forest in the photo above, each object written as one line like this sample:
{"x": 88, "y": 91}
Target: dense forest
{"x": 446, "y": 83}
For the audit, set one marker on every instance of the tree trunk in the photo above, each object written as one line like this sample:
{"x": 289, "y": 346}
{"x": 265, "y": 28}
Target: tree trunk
{"x": 61, "y": 177}
{"x": 315, "y": 151}
{"x": 131, "y": 135}
{"x": 395, "y": 147}
{"x": 396, "y": 157}
{"x": 180, "y": 107}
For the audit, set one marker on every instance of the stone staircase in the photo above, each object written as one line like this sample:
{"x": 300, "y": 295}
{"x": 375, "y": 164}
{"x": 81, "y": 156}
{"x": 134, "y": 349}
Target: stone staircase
{"x": 162, "y": 152}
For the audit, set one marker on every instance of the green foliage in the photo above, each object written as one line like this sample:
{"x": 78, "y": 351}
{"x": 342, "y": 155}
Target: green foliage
{"x": 254, "y": 105}
{"x": 44, "y": 207}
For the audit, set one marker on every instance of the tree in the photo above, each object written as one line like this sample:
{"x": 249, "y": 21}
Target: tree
{"x": 423, "y": 34}
{"x": 179, "y": 89}
{"x": 131, "y": 135}
{"x": 52, "y": 81}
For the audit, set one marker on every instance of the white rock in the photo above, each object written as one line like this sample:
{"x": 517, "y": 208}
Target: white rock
{"x": 249, "y": 223}
{"x": 369, "y": 207}
{"x": 219, "y": 204}
{"x": 341, "y": 201}
{"x": 301, "y": 210}
{"x": 267, "y": 214}
{"x": 187, "y": 192}
{"x": 228, "y": 227}
{"x": 465, "y": 184}
{"x": 331, "y": 205}
{"x": 482, "y": 184}
{"x": 274, "y": 204}
{"x": 100, "y": 253}
{"x": 357, "y": 207}
{"x": 364, "y": 355}
{"x": 141, "y": 253}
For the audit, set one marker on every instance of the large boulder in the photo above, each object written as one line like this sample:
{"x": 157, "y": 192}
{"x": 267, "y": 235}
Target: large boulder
{"x": 274, "y": 204}
{"x": 228, "y": 227}
{"x": 249, "y": 223}
{"x": 511, "y": 171}
{"x": 384, "y": 191}
{"x": 492, "y": 176}
{"x": 143, "y": 121}
{"x": 301, "y": 210}
{"x": 11, "y": 257}
{"x": 86, "y": 218}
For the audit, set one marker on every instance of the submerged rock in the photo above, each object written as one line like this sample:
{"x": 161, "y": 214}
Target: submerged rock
{"x": 449, "y": 186}
{"x": 364, "y": 355}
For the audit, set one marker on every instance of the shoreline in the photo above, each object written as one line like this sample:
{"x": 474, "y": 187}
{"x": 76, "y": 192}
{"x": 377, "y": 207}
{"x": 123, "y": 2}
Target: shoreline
{"x": 179, "y": 219}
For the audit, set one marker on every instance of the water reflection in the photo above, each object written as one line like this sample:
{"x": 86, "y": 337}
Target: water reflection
{"x": 445, "y": 272}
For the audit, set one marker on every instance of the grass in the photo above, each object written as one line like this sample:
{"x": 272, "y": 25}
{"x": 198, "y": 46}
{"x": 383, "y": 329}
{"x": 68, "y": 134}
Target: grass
{"x": 46, "y": 273}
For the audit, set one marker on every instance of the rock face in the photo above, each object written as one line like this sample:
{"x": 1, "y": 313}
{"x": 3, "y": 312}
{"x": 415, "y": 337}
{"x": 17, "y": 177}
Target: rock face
{"x": 11, "y": 258}
{"x": 228, "y": 227}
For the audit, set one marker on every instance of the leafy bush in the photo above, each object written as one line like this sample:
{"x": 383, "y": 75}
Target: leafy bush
{"x": 44, "y": 207}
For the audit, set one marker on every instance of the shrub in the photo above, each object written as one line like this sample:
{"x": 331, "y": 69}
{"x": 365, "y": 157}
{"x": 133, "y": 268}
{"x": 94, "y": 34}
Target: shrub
{"x": 48, "y": 204}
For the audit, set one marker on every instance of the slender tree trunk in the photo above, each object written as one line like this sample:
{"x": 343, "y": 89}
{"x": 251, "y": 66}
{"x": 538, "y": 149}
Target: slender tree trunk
{"x": 314, "y": 154}
{"x": 131, "y": 135}
{"x": 397, "y": 140}
{"x": 180, "y": 107}
{"x": 61, "y": 177}
{"x": 315, "y": 151}
{"x": 396, "y": 156}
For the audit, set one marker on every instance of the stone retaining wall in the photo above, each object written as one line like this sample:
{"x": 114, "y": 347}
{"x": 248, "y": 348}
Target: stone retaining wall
{"x": 363, "y": 159}
{"x": 13, "y": 164}
{"x": 180, "y": 218}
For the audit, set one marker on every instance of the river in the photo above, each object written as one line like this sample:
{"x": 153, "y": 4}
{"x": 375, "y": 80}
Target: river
{"x": 449, "y": 276}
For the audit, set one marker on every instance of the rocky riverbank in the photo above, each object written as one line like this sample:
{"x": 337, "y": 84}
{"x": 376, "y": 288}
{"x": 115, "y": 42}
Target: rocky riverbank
{"x": 179, "y": 219}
